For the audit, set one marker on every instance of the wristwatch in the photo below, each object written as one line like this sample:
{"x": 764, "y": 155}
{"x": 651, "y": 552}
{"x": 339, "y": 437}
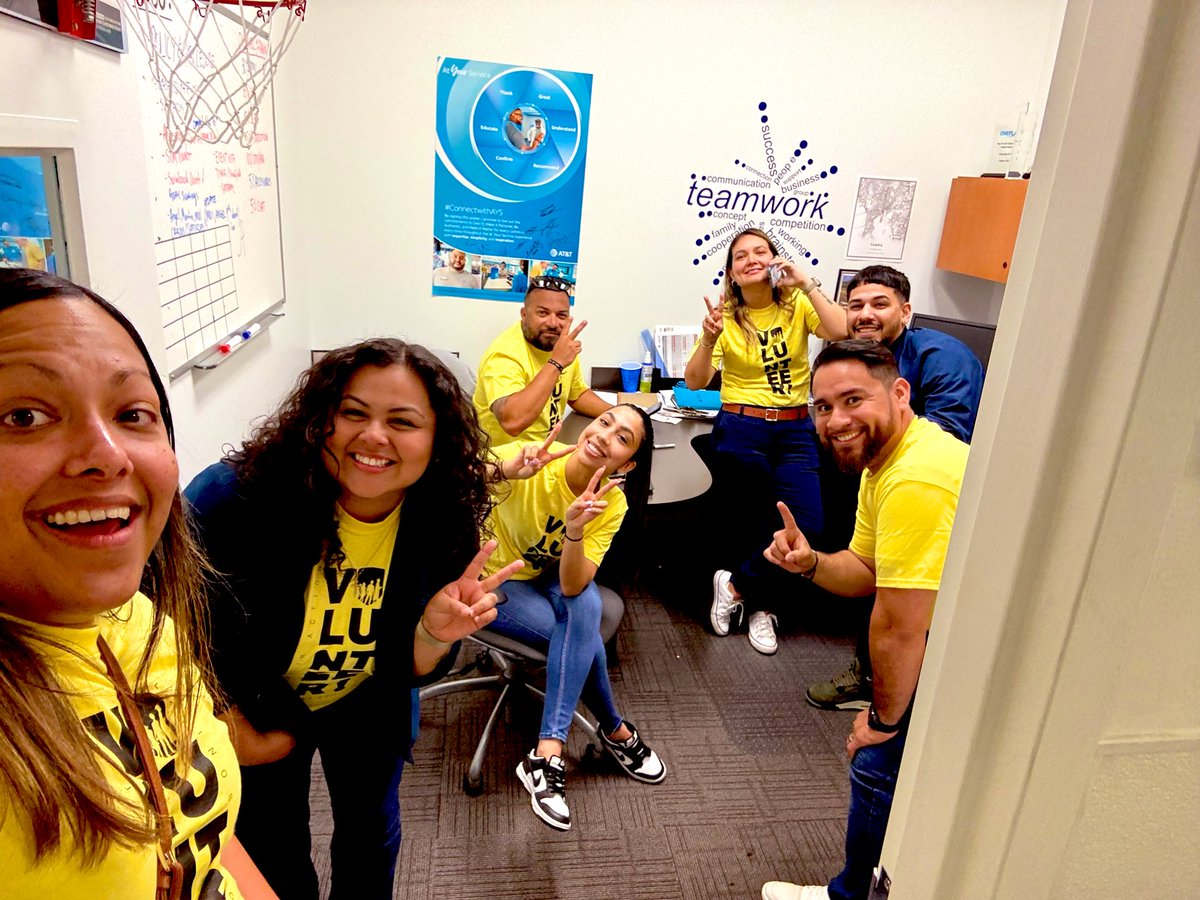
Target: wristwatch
{"x": 816, "y": 282}
{"x": 875, "y": 724}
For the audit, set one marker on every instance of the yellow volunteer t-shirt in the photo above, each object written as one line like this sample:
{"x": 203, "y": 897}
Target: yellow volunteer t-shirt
{"x": 773, "y": 369}
{"x": 203, "y": 804}
{"x": 509, "y": 364}
{"x": 906, "y": 509}
{"x": 529, "y": 521}
{"x": 336, "y": 652}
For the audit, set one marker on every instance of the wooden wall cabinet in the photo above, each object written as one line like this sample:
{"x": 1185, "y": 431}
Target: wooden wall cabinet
{"x": 982, "y": 217}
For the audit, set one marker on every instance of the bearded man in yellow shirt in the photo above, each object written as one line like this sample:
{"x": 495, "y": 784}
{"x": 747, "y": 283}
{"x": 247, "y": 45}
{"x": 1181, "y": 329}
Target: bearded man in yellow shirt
{"x": 911, "y": 476}
{"x": 531, "y": 372}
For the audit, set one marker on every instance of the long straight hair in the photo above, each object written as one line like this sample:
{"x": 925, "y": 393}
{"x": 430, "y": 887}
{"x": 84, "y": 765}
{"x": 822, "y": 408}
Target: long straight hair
{"x": 50, "y": 770}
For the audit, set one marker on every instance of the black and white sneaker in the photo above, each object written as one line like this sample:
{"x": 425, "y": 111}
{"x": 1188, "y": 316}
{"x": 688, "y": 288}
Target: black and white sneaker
{"x": 546, "y": 781}
{"x": 638, "y": 760}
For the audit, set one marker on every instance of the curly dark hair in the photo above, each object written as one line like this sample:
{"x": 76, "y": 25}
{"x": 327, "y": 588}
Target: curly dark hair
{"x": 285, "y": 455}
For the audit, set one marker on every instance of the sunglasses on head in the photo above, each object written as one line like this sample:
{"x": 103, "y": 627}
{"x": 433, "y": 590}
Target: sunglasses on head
{"x": 551, "y": 283}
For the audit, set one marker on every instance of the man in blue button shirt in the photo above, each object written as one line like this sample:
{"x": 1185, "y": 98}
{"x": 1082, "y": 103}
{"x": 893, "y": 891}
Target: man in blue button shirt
{"x": 946, "y": 380}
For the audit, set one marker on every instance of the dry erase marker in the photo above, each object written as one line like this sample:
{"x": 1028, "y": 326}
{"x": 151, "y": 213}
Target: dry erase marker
{"x": 664, "y": 446}
{"x": 251, "y": 331}
{"x": 233, "y": 341}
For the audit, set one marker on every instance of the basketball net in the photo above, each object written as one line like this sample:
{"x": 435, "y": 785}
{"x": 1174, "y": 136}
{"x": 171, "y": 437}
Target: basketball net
{"x": 213, "y": 68}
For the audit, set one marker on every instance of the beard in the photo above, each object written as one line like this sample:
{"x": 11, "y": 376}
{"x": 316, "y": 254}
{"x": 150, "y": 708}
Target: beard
{"x": 543, "y": 340}
{"x": 854, "y": 460}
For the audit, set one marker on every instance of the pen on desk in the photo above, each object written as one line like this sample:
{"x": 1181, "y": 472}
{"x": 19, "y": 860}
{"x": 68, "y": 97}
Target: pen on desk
{"x": 664, "y": 446}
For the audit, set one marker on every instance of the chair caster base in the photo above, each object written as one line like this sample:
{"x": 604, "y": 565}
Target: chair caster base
{"x": 472, "y": 788}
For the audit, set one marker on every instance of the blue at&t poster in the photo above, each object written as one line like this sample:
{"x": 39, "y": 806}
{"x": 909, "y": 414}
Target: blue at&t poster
{"x": 508, "y": 176}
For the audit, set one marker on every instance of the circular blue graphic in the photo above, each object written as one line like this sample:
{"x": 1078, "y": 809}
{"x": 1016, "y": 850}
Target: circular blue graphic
{"x": 525, "y": 127}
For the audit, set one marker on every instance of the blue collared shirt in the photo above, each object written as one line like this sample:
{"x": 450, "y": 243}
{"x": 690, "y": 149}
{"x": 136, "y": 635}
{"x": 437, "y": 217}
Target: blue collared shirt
{"x": 946, "y": 378}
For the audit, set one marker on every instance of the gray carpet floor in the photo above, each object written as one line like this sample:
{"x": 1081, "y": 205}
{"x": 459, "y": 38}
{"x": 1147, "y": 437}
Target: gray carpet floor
{"x": 757, "y": 784}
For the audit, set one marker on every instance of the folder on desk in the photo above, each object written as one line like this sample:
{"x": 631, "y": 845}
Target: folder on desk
{"x": 689, "y": 399}
{"x": 651, "y": 403}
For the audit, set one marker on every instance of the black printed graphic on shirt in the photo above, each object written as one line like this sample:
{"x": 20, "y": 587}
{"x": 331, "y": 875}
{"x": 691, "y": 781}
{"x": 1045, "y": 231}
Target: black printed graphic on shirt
{"x": 346, "y": 645}
{"x": 556, "y": 411}
{"x": 776, "y": 360}
{"x": 109, "y": 729}
{"x": 547, "y": 549}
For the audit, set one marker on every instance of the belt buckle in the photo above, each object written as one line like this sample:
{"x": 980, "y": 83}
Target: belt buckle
{"x": 771, "y": 414}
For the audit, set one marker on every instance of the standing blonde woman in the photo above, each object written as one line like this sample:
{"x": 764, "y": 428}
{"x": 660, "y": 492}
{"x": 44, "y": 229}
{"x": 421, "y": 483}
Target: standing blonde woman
{"x": 757, "y": 335}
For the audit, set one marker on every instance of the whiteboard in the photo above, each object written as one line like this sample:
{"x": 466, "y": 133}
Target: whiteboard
{"x": 215, "y": 207}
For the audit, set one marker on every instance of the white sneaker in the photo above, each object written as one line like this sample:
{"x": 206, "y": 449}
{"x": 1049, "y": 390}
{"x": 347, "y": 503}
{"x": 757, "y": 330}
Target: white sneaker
{"x": 785, "y": 890}
{"x": 724, "y": 603}
{"x": 545, "y": 779}
{"x": 762, "y": 632}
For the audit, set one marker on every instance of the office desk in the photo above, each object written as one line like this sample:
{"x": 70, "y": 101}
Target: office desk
{"x": 677, "y": 474}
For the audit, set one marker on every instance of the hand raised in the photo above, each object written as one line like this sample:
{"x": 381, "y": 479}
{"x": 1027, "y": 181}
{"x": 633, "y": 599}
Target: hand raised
{"x": 587, "y": 505}
{"x": 567, "y": 347}
{"x": 468, "y": 604}
{"x": 790, "y": 549}
{"x": 713, "y": 323}
{"x": 790, "y": 274}
{"x": 533, "y": 457}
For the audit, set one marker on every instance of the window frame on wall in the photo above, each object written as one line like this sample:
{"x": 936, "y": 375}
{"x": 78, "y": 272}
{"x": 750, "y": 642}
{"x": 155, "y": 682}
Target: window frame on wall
{"x": 58, "y": 187}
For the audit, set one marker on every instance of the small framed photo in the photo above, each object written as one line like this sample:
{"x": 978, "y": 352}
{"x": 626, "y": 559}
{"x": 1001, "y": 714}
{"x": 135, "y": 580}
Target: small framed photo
{"x": 843, "y": 280}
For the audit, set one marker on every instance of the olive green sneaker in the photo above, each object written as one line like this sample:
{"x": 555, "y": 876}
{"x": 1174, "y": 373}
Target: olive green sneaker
{"x": 846, "y": 691}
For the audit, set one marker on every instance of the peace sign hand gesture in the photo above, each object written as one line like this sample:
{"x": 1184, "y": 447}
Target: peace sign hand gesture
{"x": 468, "y": 604}
{"x": 587, "y": 506}
{"x": 567, "y": 347}
{"x": 790, "y": 549}
{"x": 532, "y": 458}
{"x": 713, "y": 323}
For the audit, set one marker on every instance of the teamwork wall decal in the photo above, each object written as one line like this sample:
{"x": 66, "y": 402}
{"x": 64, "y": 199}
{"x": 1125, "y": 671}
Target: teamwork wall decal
{"x": 511, "y": 143}
{"x": 782, "y": 188}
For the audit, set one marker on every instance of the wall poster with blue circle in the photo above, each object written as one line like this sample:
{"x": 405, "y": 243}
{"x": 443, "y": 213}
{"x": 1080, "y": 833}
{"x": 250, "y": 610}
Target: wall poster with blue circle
{"x": 508, "y": 176}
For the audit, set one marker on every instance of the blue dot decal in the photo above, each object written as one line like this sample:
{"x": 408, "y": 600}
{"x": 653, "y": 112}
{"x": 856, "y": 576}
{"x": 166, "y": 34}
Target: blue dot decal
{"x": 699, "y": 242}
{"x": 695, "y": 262}
{"x": 762, "y": 105}
{"x": 830, "y": 228}
{"x": 833, "y": 170}
{"x": 763, "y": 119}
{"x": 815, "y": 261}
{"x": 841, "y": 231}
{"x": 804, "y": 145}
{"x": 824, "y": 174}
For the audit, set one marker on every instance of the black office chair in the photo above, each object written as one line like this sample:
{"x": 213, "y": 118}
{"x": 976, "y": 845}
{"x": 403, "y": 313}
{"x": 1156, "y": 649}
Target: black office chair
{"x": 516, "y": 664}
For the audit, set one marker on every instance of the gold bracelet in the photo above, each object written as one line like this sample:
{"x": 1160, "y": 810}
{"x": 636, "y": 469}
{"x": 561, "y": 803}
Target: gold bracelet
{"x": 424, "y": 635}
{"x": 706, "y": 346}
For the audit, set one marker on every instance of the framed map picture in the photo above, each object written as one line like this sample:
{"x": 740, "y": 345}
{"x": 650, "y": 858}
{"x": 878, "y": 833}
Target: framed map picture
{"x": 882, "y": 211}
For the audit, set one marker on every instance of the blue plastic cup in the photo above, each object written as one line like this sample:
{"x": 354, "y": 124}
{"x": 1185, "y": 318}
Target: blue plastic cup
{"x": 630, "y": 373}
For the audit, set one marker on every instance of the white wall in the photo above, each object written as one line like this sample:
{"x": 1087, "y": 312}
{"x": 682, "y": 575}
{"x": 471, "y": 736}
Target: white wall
{"x": 80, "y": 98}
{"x": 877, "y": 88}
{"x": 1055, "y": 745}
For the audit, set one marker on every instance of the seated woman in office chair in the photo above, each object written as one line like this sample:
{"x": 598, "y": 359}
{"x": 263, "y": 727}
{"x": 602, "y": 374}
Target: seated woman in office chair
{"x": 90, "y": 517}
{"x": 766, "y": 446}
{"x": 561, "y": 520}
{"x": 348, "y": 529}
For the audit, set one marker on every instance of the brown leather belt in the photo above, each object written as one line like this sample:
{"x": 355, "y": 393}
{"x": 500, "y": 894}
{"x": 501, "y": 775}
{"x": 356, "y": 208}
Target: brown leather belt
{"x": 769, "y": 413}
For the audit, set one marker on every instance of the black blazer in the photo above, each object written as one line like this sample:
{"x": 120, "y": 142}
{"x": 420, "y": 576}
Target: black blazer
{"x": 257, "y": 604}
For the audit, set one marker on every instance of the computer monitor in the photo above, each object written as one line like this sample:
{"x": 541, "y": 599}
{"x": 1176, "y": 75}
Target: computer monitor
{"x": 975, "y": 335}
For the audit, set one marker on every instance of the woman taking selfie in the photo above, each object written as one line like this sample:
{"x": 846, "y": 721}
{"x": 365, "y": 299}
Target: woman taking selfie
{"x": 559, "y": 513}
{"x": 116, "y": 780}
{"x": 757, "y": 335}
{"x": 347, "y": 534}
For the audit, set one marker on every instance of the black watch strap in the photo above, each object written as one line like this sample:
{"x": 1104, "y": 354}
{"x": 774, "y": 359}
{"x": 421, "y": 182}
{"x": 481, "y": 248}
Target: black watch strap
{"x": 875, "y": 725}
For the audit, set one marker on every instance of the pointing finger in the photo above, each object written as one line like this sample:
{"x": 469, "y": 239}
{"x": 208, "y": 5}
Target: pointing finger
{"x": 789, "y": 521}
{"x": 711, "y": 309}
{"x": 553, "y": 434}
{"x": 605, "y": 488}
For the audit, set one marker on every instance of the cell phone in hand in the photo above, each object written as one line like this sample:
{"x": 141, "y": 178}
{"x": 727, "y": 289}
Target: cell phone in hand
{"x": 774, "y": 273}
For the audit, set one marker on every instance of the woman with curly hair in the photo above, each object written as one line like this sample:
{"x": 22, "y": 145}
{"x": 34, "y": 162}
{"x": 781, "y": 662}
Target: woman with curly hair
{"x": 757, "y": 335}
{"x": 347, "y": 532}
{"x": 106, "y": 727}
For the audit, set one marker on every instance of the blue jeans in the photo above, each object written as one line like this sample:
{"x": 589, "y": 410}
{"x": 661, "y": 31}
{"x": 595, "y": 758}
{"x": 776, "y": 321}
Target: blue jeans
{"x": 761, "y": 462}
{"x": 362, "y": 764}
{"x": 872, "y": 785}
{"x": 567, "y": 630}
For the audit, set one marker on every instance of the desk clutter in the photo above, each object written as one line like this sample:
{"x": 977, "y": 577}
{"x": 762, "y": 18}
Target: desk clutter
{"x": 682, "y": 403}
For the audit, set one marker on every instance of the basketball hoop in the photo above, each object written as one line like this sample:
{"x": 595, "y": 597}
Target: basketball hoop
{"x": 213, "y": 75}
